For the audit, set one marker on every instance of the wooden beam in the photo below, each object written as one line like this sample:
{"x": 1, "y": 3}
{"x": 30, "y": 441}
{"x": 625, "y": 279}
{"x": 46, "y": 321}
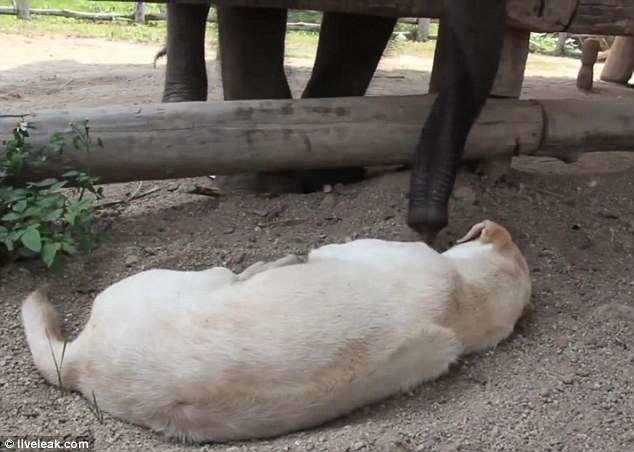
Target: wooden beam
{"x": 189, "y": 139}
{"x": 600, "y": 17}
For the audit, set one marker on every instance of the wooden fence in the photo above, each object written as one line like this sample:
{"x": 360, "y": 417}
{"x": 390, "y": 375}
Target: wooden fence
{"x": 22, "y": 10}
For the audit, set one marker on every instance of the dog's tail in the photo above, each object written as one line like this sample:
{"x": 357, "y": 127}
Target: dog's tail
{"x": 51, "y": 352}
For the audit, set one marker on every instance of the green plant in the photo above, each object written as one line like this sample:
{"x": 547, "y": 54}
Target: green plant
{"x": 95, "y": 410}
{"x": 45, "y": 219}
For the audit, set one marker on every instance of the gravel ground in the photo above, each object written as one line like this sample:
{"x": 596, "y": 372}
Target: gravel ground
{"x": 563, "y": 382}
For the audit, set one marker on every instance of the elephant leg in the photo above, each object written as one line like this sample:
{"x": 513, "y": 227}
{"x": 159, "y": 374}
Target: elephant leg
{"x": 252, "y": 52}
{"x": 350, "y": 48}
{"x": 186, "y": 74}
{"x": 476, "y": 31}
{"x": 252, "y": 65}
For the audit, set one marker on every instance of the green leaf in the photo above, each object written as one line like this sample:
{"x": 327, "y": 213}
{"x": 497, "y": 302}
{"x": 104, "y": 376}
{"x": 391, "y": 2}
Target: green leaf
{"x": 53, "y": 215}
{"x": 20, "y": 206}
{"x": 57, "y": 186}
{"x": 32, "y": 212}
{"x": 68, "y": 246}
{"x": 11, "y": 216}
{"x": 70, "y": 217}
{"x": 31, "y": 239}
{"x": 45, "y": 183}
{"x": 49, "y": 252}
{"x": 9, "y": 244}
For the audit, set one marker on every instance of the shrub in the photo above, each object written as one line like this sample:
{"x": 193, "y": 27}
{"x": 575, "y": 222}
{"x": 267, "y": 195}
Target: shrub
{"x": 45, "y": 219}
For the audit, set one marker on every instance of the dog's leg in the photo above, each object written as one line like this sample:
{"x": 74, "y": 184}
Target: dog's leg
{"x": 261, "y": 266}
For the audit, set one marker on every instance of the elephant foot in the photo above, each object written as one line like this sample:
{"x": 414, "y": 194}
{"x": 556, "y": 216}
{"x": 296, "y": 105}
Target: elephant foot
{"x": 185, "y": 96}
{"x": 278, "y": 182}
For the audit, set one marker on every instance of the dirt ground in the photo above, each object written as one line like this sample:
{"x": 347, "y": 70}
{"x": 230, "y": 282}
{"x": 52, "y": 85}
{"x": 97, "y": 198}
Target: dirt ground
{"x": 563, "y": 382}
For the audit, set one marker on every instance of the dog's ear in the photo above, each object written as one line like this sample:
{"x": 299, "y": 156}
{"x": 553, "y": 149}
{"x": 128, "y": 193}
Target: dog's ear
{"x": 489, "y": 232}
{"x": 474, "y": 232}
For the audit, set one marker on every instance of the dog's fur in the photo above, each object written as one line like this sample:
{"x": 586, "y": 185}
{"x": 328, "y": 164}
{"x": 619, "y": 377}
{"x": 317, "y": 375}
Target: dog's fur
{"x": 215, "y": 356}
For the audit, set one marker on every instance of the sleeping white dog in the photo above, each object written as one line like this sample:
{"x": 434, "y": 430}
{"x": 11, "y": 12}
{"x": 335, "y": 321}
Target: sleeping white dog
{"x": 285, "y": 345}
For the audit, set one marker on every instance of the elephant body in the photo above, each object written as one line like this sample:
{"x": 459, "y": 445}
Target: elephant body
{"x": 350, "y": 46}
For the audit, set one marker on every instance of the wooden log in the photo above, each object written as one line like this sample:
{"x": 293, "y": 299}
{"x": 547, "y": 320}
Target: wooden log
{"x": 575, "y": 126}
{"x": 604, "y": 17}
{"x": 619, "y": 65}
{"x": 601, "y": 17}
{"x": 189, "y": 139}
{"x": 9, "y": 10}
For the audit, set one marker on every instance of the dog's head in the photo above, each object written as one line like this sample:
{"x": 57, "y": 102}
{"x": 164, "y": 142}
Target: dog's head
{"x": 491, "y": 262}
{"x": 499, "y": 240}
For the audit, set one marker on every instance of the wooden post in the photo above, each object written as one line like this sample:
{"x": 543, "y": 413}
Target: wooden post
{"x": 139, "y": 12}
{"x": 589, "y": 55}
{"x": 422, "y": 32}
{"x": 619, "y": 65}
{"x": 23, "y": 9}
{"x": 560, "y": 48}
{"x": 441, "y": 54}
{"x": 510, "y": 75}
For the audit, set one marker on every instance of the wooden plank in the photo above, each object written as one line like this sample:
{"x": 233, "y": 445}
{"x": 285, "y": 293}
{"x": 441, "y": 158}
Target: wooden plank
{"x": 609, "y": 17}
{"x": 188, "y": 139}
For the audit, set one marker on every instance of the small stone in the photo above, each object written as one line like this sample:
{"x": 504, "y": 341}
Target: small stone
{"x": 358, "y": 446}
{"x": 495, "y": 432}
{"x": 131, "y": 260}
{"x": 235, "y": 260}
{"x": 261, "y": 212}
{"x": 465, "y": 194}
{"x": 629, "y": 436}
{"x": 567, "y": 379}
{"x": 389, "y": 443}
{"x": 327, "y": 188}
{"x": 173, "y": 186}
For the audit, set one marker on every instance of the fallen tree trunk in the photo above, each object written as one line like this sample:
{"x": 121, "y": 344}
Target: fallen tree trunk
{"x": 188, "y": 139}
